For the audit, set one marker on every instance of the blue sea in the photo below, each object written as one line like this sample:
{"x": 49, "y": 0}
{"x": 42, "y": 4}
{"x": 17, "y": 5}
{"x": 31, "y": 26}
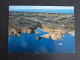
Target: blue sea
{"x": 66, "y": 11}
{"x": 28, "y": 44}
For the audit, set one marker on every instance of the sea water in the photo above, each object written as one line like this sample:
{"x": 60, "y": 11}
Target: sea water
{"x": 66, "y": 11}
{"x": 28, "y": 44}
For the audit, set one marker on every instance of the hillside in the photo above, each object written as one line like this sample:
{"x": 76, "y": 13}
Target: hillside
{"x": 55, "y": 21}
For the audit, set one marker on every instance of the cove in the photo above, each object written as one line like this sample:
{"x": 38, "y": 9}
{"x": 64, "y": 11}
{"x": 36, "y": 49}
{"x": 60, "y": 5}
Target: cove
{"x": 28, "y": 44}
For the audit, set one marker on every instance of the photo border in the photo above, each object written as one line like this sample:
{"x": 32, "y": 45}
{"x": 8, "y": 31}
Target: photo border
{"x": 34, "y": 56}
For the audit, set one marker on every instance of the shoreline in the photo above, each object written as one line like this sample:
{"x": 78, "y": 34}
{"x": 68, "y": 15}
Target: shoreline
{"x": 52, "y": 34}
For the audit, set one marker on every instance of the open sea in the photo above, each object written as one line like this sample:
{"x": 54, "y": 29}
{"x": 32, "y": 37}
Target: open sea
{"x": 66, "y": 11}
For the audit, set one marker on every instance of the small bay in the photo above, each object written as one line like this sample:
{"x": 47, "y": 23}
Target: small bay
{"x": 28, "y": 44}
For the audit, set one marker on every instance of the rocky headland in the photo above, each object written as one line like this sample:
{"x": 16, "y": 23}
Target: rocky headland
{"x": 53, "y": 34}
{"x": 55, "y": 24}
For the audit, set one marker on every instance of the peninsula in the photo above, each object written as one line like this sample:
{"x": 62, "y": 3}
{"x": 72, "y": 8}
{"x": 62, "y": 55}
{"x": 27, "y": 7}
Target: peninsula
{"x": 55, "y": 24}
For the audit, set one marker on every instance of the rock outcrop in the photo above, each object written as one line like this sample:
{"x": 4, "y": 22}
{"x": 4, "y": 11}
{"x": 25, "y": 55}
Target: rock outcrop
{"x": 37, "y": 32}
{"x": 12, "y": 31}
{"x": 38, "y": 38}
{"x": 72, "y": 33}
{"x": 27, "y": 30}
{"x": 55, "y": 35}
{"x": 31, "y": 31}
{"x": 47, "y": 36}
{"x": 52, "y": 36}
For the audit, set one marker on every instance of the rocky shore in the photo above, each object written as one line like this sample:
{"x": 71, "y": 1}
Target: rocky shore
{"x": 12, "y": 31}
{"x": 52, "y": 34}
{"x": 55, "y": 34}
{"x": 72, "y": 33}
{"x": 55, "y": 24}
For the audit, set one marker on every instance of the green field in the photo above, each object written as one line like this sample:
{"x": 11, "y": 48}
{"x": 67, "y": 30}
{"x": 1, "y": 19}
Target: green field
{"x": 19, "y": 20}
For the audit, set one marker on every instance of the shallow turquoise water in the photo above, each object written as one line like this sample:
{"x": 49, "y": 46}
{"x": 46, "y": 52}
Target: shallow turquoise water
{"x": 28, "y": 44}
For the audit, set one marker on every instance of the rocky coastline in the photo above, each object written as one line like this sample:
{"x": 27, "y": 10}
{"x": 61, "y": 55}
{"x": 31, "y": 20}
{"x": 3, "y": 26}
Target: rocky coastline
{"x": 52, "y": 34}
{"x": 55, "y": 24}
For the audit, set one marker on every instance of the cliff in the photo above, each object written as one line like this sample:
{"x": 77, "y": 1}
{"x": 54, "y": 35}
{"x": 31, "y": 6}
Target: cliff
{"x": 55, "y": 24}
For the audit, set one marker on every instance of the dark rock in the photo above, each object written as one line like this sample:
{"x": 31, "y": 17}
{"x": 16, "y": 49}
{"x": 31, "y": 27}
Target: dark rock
{"x": 38, "y": 38}
{"x": 19, "y": 35}
{"x": 12, "y": 33}
{"x": 33, "y": 28}
{"x": 19, "y": 32}
{"x": 31, "y": 31}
